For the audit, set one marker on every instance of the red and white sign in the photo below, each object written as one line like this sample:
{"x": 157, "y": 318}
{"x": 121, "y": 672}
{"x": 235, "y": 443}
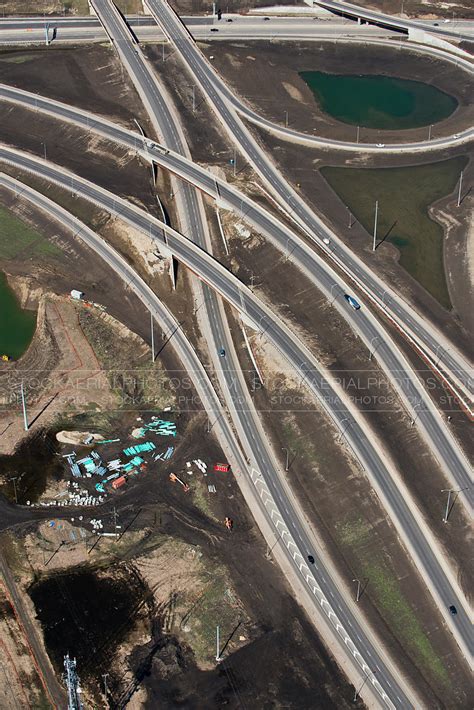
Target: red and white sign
{"x": 224, "y": 467}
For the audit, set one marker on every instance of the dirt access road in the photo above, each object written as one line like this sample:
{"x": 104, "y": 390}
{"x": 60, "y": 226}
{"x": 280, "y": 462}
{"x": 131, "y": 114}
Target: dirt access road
{"x": 55, "y": 693}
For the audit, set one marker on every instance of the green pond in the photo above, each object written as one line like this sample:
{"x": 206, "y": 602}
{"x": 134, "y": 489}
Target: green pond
{"x": 404, "y": 196}
{"x": 17, "y": 326}
{"x": 379, "y": 101}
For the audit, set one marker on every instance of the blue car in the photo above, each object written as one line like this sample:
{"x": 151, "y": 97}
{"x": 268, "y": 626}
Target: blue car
{"x": 222, "y": 352}
{"x": 352, "y": 302}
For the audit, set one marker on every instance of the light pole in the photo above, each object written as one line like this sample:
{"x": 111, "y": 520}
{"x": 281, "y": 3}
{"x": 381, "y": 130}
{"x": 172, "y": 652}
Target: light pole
{"x": 25, "y": 415}
{"x": 287, "y": 465}
{"x": 357, "y": 692}
{"x": 375, "y": 224}
{"x": 460, "y": 188}
{"x": 350, "y": 218}
{"x": 218, "y": 657}
{"x": 286, "y": 119}
{"x": 152, "y": 338}
{"x": 371, "y": 352}
{"x": 449, "y": 491}
{"x": 429, "y": 132}
{"x": 105, "y": 676}
{"x": 342, "y": 432}
{"x": 44, "y": 149}
{"x": 358, "y": 133}
{"x": 358, "y": 589}
{"x": 269, "y": 549}
{"x": 304, "y": 375}
{"x": 14, "y": 488}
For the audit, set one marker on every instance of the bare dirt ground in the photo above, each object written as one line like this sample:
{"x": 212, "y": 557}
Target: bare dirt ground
{"x": 88, "y": 76}
{"x": 165, "y": 652}
{"x": 20, "y": 682}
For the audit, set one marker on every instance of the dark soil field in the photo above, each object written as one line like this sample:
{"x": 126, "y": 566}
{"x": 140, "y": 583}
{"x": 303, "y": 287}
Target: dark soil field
{"x": 303, "y": 675}
{"x": 88, "y": 76}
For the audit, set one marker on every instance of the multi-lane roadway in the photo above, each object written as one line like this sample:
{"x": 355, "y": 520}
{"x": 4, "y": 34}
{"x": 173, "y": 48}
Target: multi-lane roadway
{"x": 217, "y": 94}
{"x": 429, "y": 560}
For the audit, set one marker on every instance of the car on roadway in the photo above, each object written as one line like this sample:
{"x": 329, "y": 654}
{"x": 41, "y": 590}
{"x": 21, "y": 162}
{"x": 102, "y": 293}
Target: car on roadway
{"x": 326, "y": 240}
{"x": 436, "y": 24}
{"x": 352, "y": 302}
{"x": 380, "y": 145}
{"x": 222, "y": 352}
{"x": 311, "y": 559}
{"x": 214, "y": 29}
{"x": 229, "y": 19}
{"x": 453, "y": 610}
{"x": 265, "y": 19}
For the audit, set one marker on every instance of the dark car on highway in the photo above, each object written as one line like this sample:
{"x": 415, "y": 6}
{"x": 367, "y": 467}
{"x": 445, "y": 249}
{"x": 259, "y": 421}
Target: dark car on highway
{"x": 453, "y": 610}
{"x": 311, "y": 559}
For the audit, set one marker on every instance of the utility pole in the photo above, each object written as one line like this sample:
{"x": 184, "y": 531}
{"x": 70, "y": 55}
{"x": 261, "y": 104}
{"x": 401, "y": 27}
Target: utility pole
{"x": 25, "y": 415}
{"x": 152, "y": 338}
{"x": 287, "y": 465}
{"x": 218, "y": 657}
{"x": 449, "y": 491}
{"x": 460, "y": 188}
{"x": 343, "y": 431}
{"x": 105, "y": 676}
{"x": 375, "y": 224}
{"x": 358, "y": 589}
{"x": 357, "y": 692}
{"x": 14, "y": 488}
{"x": 269, "y": 549}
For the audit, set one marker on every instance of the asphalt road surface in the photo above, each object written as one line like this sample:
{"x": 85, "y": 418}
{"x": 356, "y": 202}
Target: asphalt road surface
{"x": 208, "y": 269}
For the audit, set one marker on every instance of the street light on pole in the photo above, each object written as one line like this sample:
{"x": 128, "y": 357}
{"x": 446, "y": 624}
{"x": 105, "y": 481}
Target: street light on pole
{"x": 460, "y": 188}
{"x": 218, "y": 657}
{"x": 357, "y": 692}
{"x": 105, "y": 676}
{"x": 287, "y": 458}
{"x": 375, "y": 224}
{"x": 14, "y": 487}
{"x": 358, "y": 589}
{"x": 449, "y": 491}
{"x": 152, "y": 338}
{"x": 286, "y": 119}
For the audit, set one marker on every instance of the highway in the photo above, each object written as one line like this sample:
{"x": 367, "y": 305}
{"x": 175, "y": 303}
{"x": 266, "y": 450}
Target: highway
{"x": 350, "y": 625}
{"x": 410, "y": 526}
{"x": 381, "y": 295}
{"x": 309, "y": 375}
{"x": 89, "y": 29}
{"x": 417, "y": 401}
{"x": 239, "y": 403}
{"x": 415, "y": 398}
{"x": 443, "y": 30}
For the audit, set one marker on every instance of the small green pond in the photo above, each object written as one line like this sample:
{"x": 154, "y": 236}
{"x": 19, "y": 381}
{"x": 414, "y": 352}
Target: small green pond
{"x": 404, "y": 196}
{"x": 376, "y": 101}
{"x": 17, "y": 326}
